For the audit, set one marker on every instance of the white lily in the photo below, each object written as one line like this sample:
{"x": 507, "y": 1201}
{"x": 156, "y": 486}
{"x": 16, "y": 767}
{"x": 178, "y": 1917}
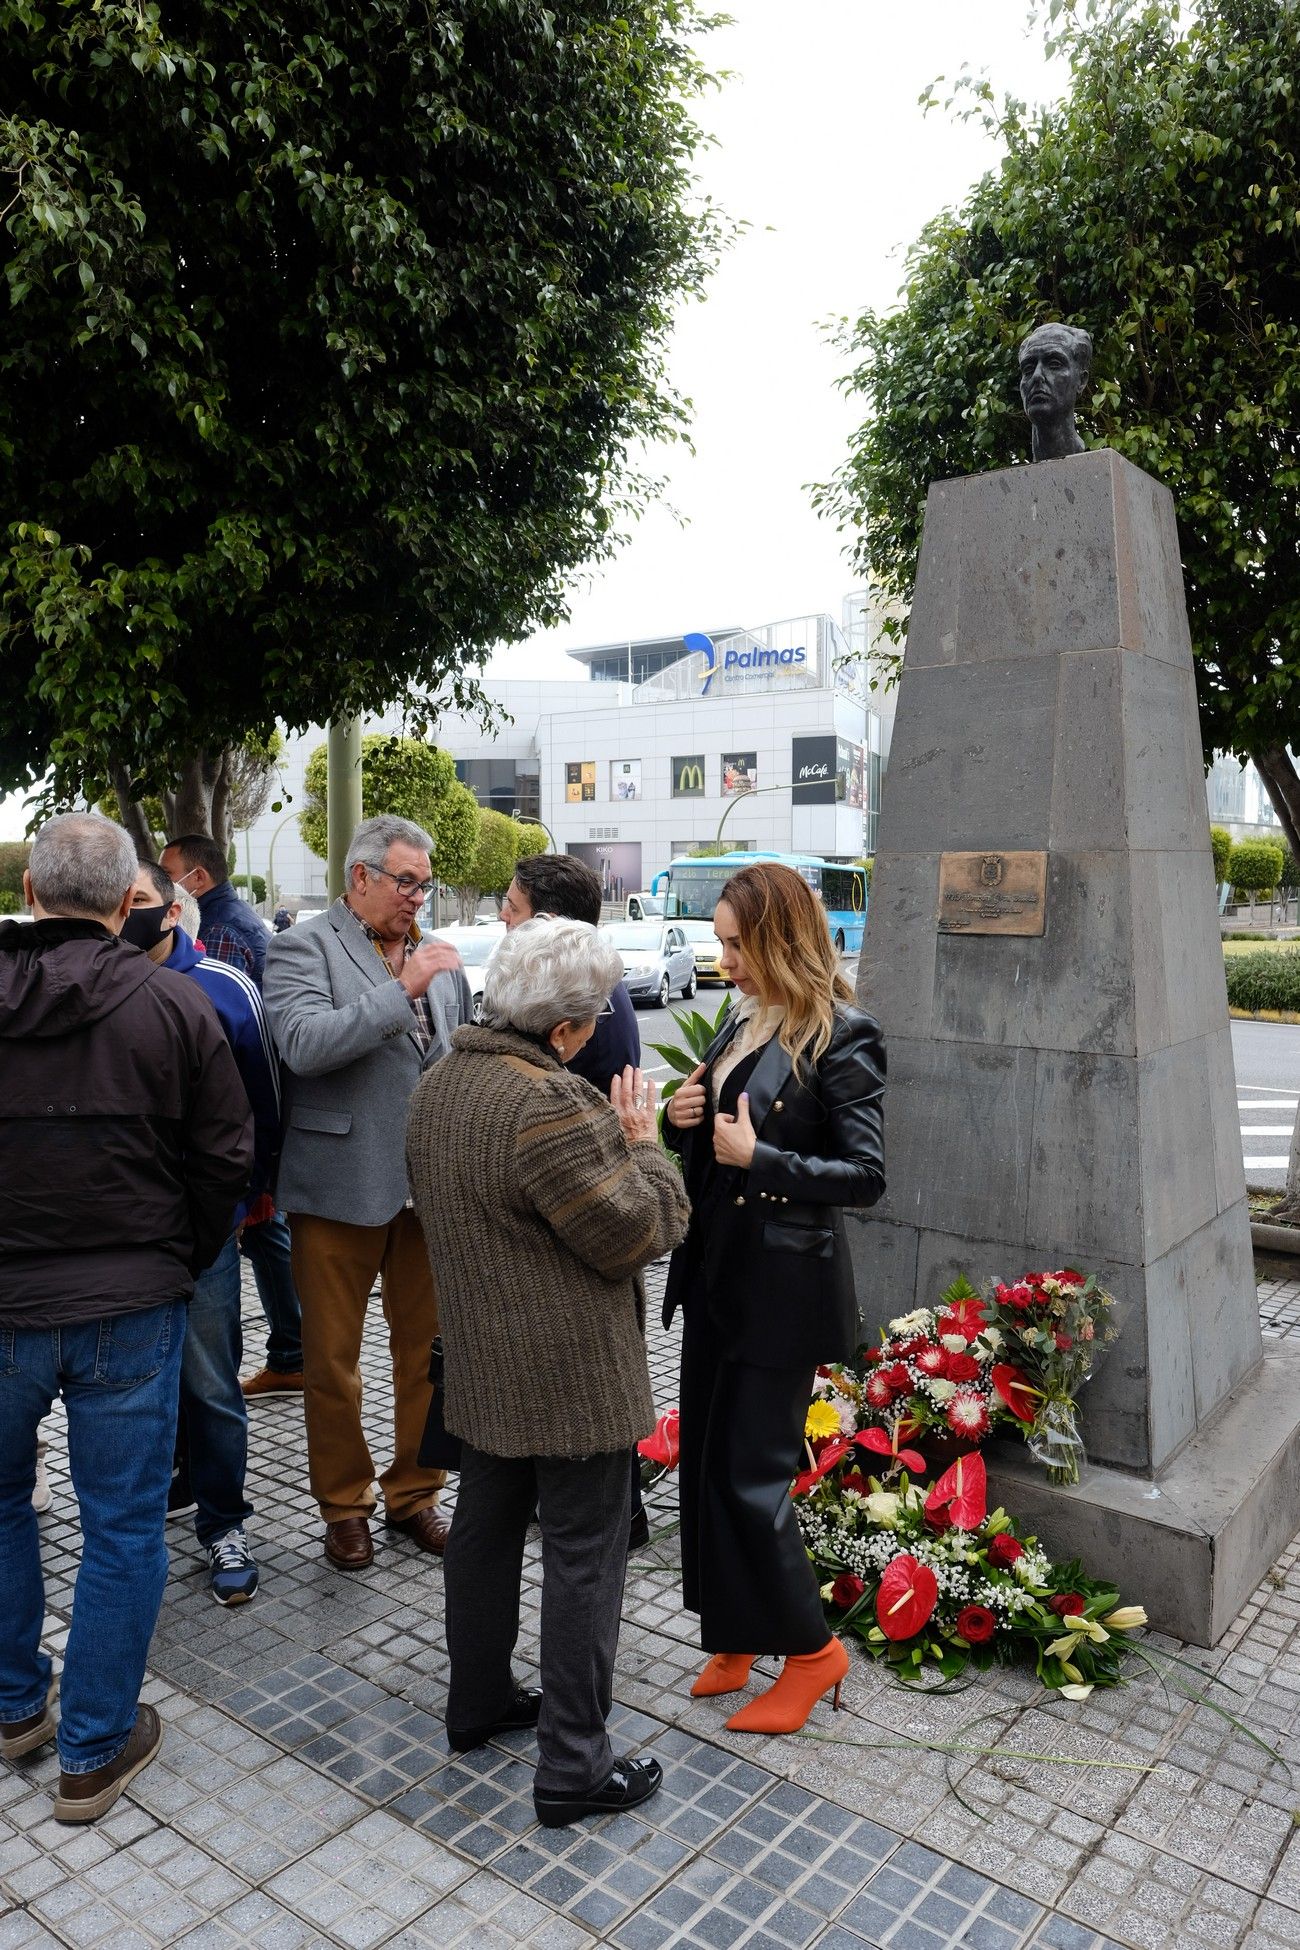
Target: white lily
{"x": 1074, "y": 1692}
{"x": 1125, "y": 1618}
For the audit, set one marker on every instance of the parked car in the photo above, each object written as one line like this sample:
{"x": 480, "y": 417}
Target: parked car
{"x": 643, "y": 907}
{"x": 657, "y": 958}
{"x": 474, "y": 945}
{"x": 707, "y": 948}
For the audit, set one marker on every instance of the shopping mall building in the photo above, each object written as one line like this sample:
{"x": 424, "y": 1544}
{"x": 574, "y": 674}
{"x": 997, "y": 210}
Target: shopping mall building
{"x": 771, "y": 737}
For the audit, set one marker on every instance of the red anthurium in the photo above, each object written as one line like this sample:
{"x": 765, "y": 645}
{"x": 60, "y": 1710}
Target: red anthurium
{"x": 1014, "y": 1390}
{"x": 908, "y": 1594}
{"x": 664, "y": 1444}
{"x": 963, "y": 1492}
{"x": 830, "y": 1453}
{"x": 881, "y": 1443}
{"x": 965, "y": 1317}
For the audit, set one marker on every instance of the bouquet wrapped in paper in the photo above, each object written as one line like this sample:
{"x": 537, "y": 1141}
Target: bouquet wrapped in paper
{"x": 1050, "y": 1327}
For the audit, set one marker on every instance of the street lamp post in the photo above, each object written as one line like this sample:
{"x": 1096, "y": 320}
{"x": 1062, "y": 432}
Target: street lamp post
{"x": 795, "y": 785}
{"x": 515, "y": 814}
{"x": 270, "y": 861}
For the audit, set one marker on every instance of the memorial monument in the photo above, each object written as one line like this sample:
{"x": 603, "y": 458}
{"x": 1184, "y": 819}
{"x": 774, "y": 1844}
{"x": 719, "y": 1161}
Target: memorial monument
{"x": 1043, "y": 952}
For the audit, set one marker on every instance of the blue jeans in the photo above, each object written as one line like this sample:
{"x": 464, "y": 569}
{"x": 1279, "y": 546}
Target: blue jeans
{"x": 119, "y": 1378}
{"x": 266, "y": 1248}
{"x": 213, "y": 1410}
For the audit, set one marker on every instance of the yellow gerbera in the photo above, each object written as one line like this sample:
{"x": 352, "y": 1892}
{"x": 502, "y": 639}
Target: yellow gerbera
{"x": 821, "y": 1419}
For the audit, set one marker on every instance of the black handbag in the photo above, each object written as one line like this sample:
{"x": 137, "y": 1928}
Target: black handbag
{"x": 438, "y": 1449}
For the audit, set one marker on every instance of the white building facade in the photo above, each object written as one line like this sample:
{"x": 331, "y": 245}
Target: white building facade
{"x": 769, "y": 737}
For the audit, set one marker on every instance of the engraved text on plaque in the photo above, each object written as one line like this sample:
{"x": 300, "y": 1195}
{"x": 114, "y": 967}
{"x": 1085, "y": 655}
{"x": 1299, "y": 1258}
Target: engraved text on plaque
{"x": 992, "y": 893}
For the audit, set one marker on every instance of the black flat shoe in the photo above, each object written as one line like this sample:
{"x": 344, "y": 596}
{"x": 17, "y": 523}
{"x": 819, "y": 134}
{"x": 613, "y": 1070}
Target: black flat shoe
{"x": 630, "y": 1783}
{"x": 523, "y": 1710}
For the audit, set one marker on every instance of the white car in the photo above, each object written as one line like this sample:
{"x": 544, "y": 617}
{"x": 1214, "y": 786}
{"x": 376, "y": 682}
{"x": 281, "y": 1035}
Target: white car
{"x": 657, "y": 958}
{"x": 475, "y": 946}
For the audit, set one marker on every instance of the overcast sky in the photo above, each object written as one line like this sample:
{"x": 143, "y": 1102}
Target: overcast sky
{"x": 822, "y": 149}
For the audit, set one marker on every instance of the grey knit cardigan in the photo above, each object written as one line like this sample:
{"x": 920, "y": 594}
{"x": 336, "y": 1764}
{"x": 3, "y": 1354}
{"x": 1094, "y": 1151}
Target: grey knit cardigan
{"x": 538, "y": 1216}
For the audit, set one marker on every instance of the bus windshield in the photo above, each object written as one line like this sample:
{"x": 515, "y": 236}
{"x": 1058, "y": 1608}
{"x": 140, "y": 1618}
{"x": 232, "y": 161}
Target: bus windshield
{"x": 693, "y": 888}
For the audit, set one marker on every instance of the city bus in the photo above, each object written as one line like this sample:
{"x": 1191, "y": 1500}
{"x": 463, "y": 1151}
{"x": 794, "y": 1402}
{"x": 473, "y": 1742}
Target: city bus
{"x": 691, "y": 886}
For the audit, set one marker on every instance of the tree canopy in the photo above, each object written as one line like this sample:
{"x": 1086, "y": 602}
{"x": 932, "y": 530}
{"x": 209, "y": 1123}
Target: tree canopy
{"x": 1158, "y": 205}
{"x": 413, "y": 780}
{"x": 330, "y": 332}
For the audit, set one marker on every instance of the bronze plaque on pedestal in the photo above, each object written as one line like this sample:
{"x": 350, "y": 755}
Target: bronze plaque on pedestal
{"x": 992, "y": 893}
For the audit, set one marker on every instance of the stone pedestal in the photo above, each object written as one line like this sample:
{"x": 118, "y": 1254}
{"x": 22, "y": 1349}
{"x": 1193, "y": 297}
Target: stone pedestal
{"x": 1068, "y": 1097}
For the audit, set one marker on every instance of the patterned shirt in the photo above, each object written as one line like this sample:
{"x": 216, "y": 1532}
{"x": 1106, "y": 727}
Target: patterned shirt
{"x": 420, "y": 1010}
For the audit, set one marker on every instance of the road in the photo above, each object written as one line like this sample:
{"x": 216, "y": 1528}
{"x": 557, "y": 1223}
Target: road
{"x": 1267, "y": 1056}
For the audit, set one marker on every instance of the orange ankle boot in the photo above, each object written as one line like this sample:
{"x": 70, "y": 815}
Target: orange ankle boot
{"x": 805, "y": 1678}
{"x": 726, "y": 1672}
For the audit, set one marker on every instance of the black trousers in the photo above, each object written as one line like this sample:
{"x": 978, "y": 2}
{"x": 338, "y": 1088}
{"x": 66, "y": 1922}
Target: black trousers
{"x": 744, "y": 1566}
{"x": 582, "y": 1505}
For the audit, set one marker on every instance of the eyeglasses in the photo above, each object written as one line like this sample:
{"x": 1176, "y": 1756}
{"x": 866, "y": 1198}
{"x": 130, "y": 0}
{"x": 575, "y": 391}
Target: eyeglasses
{"x": 405, "y": 883}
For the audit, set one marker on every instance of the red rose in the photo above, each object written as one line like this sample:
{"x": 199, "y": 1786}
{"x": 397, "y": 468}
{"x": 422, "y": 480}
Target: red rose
{"x": 1004, "y": 1550}
{"x": 1021, "y": 1297}
{"x": 963, "y": 1367}
{"x": 846, "y": 1590}
{"x": 976, "y": 1624}
{"x": 1067, "y": 1273}
{"x": 873, "y": 1354}
{"x": 898, "y": 1378}
{"x": 1066, "y": 1604}
{"x": 853, "y": 1479}
{"x": 938, "y": 1520}
{"x": 1064, "y": 1341}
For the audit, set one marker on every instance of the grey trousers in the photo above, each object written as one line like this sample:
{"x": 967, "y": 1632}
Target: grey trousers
{"x": 582, "y": 1503}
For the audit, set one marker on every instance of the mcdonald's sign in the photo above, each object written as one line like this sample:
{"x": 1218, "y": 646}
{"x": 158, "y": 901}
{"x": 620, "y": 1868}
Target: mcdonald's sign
{"x": 688, "y": 777}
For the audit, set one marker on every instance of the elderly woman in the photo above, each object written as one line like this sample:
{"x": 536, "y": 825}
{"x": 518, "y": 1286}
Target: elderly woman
{"x": 541, "y": 1203}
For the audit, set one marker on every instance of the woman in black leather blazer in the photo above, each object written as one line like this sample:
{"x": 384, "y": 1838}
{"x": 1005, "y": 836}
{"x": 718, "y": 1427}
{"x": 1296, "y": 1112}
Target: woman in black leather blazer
{"x": 778, "y": 1128}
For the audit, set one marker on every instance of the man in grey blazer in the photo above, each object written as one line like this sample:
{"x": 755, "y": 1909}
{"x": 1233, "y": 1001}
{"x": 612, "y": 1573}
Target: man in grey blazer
{"x": 359, "y": 1006}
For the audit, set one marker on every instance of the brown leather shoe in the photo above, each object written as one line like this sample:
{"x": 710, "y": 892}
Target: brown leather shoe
{"x": 348, "y": 1544}
{"x": 85, "y": 1797}
{"x": 268, "y": 1381}
{"x": 19, "y": 1737}
{"x": 428, "y": 1528}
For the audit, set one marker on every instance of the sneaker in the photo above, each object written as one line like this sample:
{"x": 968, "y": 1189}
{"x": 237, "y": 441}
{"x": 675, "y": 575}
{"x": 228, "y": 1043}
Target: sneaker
{"x": 232, "y": 1572}
{"x": 42, "y": 1495}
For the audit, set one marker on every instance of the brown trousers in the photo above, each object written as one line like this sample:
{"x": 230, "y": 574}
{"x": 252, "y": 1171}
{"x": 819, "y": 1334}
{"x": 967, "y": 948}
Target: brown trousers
{"x": 334, "y": 1268}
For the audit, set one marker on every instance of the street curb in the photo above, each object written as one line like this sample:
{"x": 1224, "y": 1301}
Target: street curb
{"x": 1264, "y": 1015}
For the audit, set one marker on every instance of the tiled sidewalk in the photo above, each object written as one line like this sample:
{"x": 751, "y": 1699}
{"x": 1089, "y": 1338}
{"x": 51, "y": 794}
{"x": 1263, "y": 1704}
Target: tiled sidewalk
{"x": 305, "y": 1793}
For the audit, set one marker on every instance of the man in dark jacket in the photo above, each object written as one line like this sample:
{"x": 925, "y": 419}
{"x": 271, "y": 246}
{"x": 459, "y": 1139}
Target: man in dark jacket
{"x": 125, "y": 1145}
{"x": 231, "y": 931}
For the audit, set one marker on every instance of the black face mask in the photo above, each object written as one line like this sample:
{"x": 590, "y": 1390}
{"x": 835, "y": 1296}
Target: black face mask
{"x": 143, "y": 927}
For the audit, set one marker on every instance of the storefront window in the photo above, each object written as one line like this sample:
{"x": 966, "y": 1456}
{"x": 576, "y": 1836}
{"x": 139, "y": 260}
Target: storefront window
{"x": 688, "y": 776}
{"x": 580, "y": 781}
{"x": 625, "y": 778}
{"x": 739, "y": 773}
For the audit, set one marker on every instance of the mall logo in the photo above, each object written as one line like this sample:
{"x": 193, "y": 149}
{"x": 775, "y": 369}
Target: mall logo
{"x": 756, "y": 659}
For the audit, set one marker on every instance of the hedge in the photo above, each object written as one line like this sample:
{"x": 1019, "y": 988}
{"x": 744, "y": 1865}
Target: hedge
{"x": 1264, "y": 981}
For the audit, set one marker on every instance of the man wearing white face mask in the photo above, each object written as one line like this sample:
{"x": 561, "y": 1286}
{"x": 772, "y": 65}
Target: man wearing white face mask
{"x": 213, "y": 1410}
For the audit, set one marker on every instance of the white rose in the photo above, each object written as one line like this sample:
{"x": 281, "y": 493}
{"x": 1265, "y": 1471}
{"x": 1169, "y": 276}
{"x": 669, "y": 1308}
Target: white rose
{"x": 882, "y": 1507}
{"x": 954, "y": 1343}
{"x": 942, "y": 1391}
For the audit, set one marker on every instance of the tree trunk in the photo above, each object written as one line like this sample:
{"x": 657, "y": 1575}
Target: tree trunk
{"x": 1283, "y": 784}
{"x": 132, "y": 815}
{"x": 200, "y": 799}
{"x": 467, "y": 900}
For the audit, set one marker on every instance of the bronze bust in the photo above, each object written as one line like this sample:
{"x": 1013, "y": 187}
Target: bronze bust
{"x": 1055, "y": 364}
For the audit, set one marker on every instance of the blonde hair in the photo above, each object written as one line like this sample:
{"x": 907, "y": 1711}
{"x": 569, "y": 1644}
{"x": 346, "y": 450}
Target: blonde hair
{"x": 788, "y": 951}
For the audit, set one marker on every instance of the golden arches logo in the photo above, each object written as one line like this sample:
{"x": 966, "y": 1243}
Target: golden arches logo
{"x": 691, "y": 779}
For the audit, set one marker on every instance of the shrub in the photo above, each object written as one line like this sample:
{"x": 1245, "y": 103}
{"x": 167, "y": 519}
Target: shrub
{"x": 14, "y": 855}
{"x": 10, "y": 903}
{"x": 1255, "y": 866}
{"x": 252, "y": 883}
{"x": 1221, "y": 843}
{"x": 1264, "y": 981}
{"x": 867, "y": 863}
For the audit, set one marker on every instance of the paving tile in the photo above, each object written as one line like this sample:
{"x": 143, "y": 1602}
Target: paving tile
{"x": 295, "y": 1703}
{"x": 477, "y": 1803}
{"x": 803, "y": 1849}
{"x": 487, "y": 1913}
{"x": 256, "y": 1920}
{"x": 1059, "y": 1933}
{"x": 919, "y": 1901}
{"x": 19, "y": 1930}
{"x": 266, "y": 1819}
{"x": 368, "y": 1882}
{"x": 1155, "y": 1901}
{"x": 381, "y": 1752}
{"x": 596, "y": 1871}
